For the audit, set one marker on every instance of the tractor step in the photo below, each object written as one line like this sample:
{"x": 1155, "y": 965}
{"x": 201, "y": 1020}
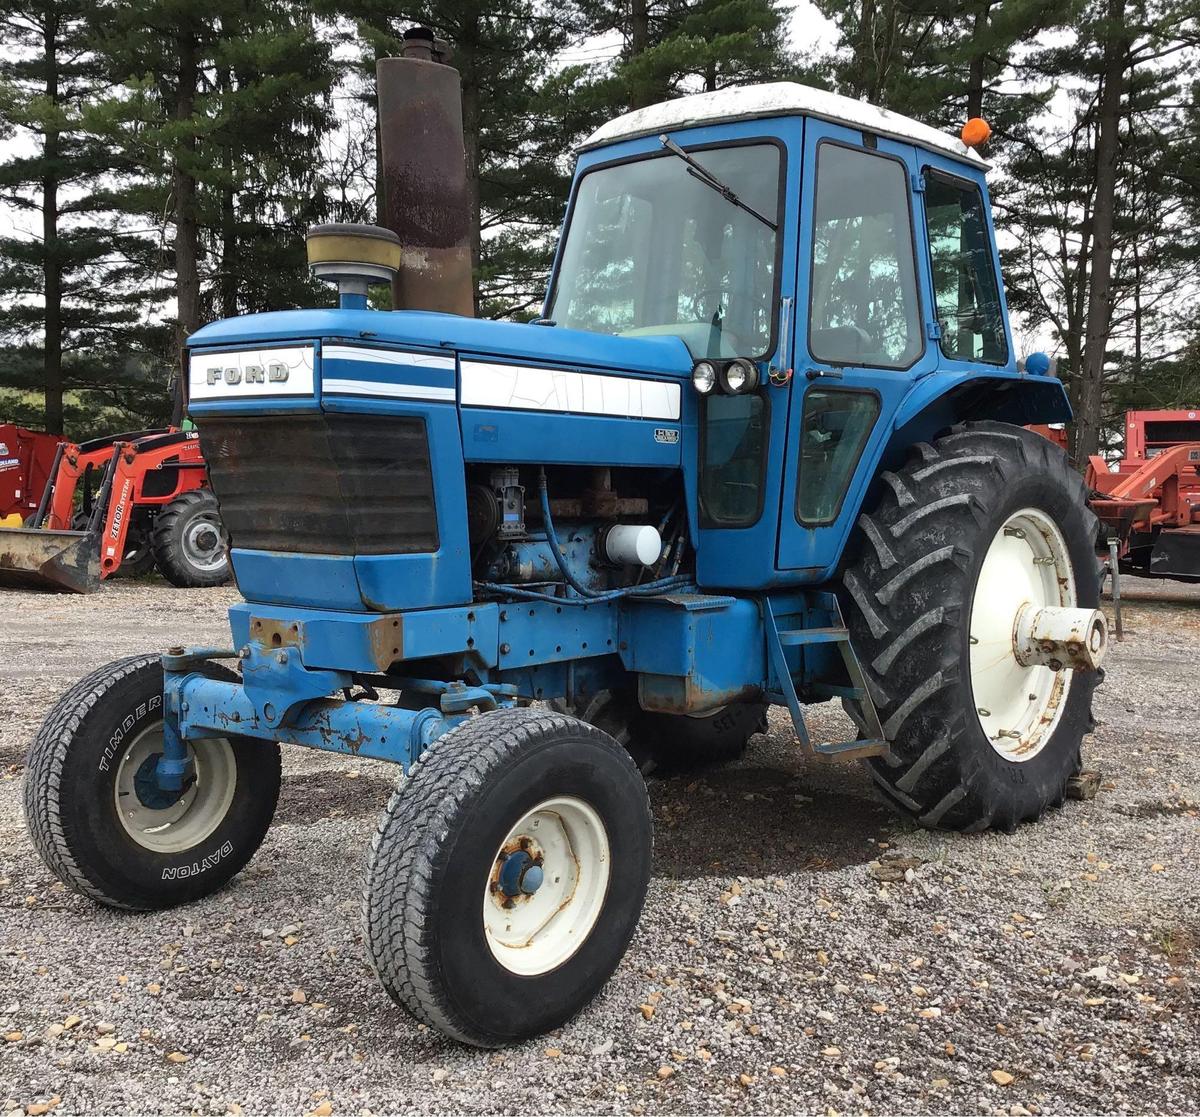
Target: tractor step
{"x": 856, "y": 750}
{"x": 800, "y": 636}
{"x": 779, "y": 638}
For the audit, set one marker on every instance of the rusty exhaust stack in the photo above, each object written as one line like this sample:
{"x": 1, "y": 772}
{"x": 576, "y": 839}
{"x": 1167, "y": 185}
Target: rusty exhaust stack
{"x": 425, "y": 196}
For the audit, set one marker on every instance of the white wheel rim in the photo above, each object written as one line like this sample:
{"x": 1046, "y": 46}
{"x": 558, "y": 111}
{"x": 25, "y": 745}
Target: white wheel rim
{"x": 533, "y": 933}
{"x": 203, "y": 543}
{"x": 195, "y": 814}
{"x": 1027, "y": 563}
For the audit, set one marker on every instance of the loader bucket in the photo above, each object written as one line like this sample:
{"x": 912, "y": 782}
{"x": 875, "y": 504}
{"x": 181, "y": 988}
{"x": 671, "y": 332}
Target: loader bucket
{"x": 31, "y": 558}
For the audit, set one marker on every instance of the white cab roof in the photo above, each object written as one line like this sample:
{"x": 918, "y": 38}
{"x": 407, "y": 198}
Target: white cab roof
{"x": 780, "y": 98}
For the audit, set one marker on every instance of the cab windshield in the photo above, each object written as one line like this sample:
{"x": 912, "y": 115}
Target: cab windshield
{"x": 650, "y": 249}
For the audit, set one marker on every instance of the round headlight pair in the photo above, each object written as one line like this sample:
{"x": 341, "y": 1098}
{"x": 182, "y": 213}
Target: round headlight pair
{"x": 734, "y": 377}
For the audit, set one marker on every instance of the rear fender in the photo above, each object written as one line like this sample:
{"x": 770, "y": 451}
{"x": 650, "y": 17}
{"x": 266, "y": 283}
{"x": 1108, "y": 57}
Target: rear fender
{"x": 937, "y": 402}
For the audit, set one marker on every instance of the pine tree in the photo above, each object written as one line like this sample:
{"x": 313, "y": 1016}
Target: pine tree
{"x": 941, "y": 61}
{"x": 673, "y": 47}
{"x": 222, "y": 109}
{"x": 61, "y": 326}
{"x": 1104, "y": 250}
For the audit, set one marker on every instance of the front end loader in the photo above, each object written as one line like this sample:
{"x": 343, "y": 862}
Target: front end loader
{"x": 765, "y": 446}
{"x": 125, "y": 503}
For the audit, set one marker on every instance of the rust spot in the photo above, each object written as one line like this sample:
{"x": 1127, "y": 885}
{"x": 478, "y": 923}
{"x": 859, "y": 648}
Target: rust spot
{"x": 386, "y": 637}
{"x": 275, "y": 634}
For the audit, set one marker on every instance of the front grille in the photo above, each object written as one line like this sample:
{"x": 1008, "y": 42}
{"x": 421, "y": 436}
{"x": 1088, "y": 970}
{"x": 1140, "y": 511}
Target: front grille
{"x": 323, "y": 484}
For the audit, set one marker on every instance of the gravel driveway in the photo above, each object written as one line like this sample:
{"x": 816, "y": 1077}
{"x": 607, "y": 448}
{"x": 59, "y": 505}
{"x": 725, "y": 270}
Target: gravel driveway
{"x": 1052, "y": 970}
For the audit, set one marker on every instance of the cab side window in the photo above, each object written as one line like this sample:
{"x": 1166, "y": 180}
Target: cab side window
{"x": 864, "y": 308}
{"x": 964, "y": 271}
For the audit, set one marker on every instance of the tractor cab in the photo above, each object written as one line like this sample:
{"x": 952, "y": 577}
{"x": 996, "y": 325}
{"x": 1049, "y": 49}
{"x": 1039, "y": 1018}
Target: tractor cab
{"x": 819, "y": 258}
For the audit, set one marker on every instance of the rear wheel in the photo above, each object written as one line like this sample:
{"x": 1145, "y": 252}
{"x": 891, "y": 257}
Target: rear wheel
{"x": 670, "y": 740}
{"x": 716, "y": 737}
{"x": 507, "y": 875}
{"x": 189, "y": 541}
{"x": 98, "y": 818}
{"x": 979, "y": 527}
{"x": 617, "y": 713}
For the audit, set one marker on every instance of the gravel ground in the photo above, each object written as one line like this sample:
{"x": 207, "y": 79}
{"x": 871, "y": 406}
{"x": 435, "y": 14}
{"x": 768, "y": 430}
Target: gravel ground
{"x": 1051, "y": 970}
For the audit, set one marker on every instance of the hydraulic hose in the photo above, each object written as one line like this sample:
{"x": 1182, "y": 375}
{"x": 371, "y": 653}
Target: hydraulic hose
{"x": 585, "y": 596}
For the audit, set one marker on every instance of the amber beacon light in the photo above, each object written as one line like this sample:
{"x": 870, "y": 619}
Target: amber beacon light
{"x": 976, "y": 131}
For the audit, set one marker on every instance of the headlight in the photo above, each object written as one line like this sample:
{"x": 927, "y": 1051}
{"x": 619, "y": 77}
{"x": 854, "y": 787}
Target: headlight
{"x": 704, "y": 377}
{"x": 739, "y": 376}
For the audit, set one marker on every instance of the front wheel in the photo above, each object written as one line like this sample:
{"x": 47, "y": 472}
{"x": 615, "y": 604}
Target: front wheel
{"x": 101, "y": 823}
{"x": 982, "y": 528}
{"x": 189, "y": 541}
{"x": 507, "y": 875}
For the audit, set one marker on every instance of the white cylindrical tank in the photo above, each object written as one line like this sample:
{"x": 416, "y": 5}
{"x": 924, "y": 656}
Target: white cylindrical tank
{"x": 639, "y": 544}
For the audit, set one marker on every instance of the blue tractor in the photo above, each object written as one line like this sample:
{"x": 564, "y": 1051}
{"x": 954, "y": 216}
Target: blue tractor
{"x": 766, "y": 446}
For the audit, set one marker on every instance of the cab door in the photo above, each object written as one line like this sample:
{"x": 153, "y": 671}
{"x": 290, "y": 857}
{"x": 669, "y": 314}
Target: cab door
{"x": 860, "y": 334}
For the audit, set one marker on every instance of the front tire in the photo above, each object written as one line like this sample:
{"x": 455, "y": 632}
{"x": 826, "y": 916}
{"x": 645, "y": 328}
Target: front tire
{"x": 189, "y": 541}
{"x": 104, "y": 829}
{"x": 988, "y": 514}
{"x": 459, "y": 931}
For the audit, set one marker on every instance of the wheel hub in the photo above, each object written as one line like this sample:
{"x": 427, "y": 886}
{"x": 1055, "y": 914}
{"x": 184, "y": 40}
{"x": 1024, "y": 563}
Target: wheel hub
{"x": 546, "y": 886}
{"x": 520, "y": 874}
{"x": 203, "y": 544}
{"x": 149, "y": 791}
{"x": 1027, "y": 635}
{"x": 168, "y": 821}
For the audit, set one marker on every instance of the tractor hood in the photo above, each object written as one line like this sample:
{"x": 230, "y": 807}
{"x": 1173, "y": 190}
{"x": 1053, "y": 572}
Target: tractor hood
{"x": 453, "y": 334}
{"x": 339, "y": 442}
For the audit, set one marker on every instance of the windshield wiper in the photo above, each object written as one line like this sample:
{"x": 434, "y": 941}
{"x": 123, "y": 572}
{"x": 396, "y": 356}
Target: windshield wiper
{"x": 699, "y": 171}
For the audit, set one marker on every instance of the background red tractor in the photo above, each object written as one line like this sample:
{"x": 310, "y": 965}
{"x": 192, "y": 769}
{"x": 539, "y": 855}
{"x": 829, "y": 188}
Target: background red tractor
{"x": 127, "y": 502}
{"x": 1150, "y": 505}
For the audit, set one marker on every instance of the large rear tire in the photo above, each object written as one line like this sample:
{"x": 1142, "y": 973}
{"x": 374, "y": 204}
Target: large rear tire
{"x": 189, "y": 541}
{"x": 507, "y": 875}
{"x": 617, "y": 713}
{"x": 104, "y": 829}
{"x": 676, "y": 741}
{"x": 694, "y": 740}
{"x": 985, "y": 516}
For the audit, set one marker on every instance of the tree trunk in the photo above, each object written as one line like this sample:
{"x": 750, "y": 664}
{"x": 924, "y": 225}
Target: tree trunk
{"x": 866, "y": 69}
{"x": 976, "y": 73}
{"x": 639, "y": 27}
{"x": 51, "y": 259}
{"x": 1099, "y": 316}
{"x": 229, "y": 243}
{"x": 639, "y": 41}
{"x": 187, "y": 232}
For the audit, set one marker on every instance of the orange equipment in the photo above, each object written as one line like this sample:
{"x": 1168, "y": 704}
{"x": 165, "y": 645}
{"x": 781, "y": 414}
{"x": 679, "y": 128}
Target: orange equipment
{"x": 26, "y": 462}
{"x": 1150, "y": 505}
{"x": 134, "y": 486}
